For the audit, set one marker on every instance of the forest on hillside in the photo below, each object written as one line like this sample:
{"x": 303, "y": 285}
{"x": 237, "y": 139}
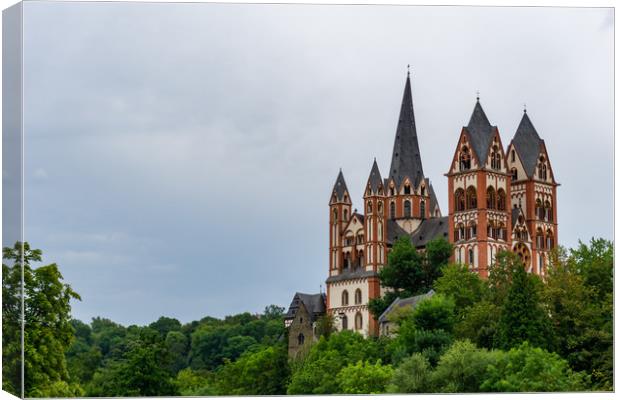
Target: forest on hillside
{"x": 513, "y": 332}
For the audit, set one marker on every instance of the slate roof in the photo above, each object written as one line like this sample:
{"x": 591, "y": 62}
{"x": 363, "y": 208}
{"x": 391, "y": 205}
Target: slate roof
{"x": 527, "y": 144}
{"x": 428, "y": 230}
{"x": 315, "y": 304}
{"x": 375, "y": 177}
{"x": 340, "y": 186}
{"x": 406, "y": 161}
{"x": 433, "y": 196}
{"x": 515, "y": 216}
{"x": 360, "y": 217}
{"x": 394, "y": 231}
{"x": 400, "y": 303}
{"x": 345, "y": 275}
{"x": 480, "y": 132}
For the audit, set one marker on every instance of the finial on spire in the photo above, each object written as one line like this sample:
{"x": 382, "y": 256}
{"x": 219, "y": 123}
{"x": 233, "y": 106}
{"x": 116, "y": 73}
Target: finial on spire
{"x": 407, "y": 70}
{"x": 478, "y": 95}
{"x": 524, "y": 108}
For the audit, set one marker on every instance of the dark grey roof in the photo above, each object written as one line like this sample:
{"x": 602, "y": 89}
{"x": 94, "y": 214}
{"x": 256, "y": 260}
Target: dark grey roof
{"x": 428, "y": 230}
{"x": 315, "y": 304}
{"x": 375, "y": 177}
{"x": 360, "y": 217}
{"x": 480, "y": 132}
{"x": 515, "y": 215}
{"x": 433, "y": 196}
{"x": 527, "y": 144}
{"x": 354, "y": 274}
{"x": 399, "y": 303}
{"x": 406, "y": 161}
{"x": 340, "y": 187}
{"x": 394, "y": 231}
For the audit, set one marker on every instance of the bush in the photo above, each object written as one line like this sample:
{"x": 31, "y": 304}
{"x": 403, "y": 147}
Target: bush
{"x": 462, "y": 368}
{"x": 364, "y": 378}
{"x": 530, "y": 369}
{"x": 411, "y": 376}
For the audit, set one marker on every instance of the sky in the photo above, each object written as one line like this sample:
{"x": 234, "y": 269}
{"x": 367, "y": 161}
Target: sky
{"x": 179, "y": 158}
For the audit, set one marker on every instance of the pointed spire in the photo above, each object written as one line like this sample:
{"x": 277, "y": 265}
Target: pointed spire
{"x": 527, "y": 144}
{"x": 406, "y": 161}
{"x": 374, "y": 179}
{"x": 340, "y": 187}
{"x": 480, "y": 131}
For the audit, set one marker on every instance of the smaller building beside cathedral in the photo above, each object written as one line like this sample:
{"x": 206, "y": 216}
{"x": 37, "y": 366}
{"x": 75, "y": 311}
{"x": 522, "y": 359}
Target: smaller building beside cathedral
{"x": 501, "y": 198}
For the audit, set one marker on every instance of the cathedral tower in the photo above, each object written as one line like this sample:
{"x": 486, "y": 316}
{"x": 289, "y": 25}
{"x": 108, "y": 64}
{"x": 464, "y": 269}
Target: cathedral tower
{"x": 534, "y": 194}
{"x": 479, "y": 187}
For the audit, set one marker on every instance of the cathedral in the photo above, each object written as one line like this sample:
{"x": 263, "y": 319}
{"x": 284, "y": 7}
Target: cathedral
{"x": 500, "y": 199}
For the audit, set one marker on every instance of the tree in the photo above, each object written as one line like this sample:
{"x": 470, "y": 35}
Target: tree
{"x": 434, "y": 313}
{"x": 410, "y": 272}
{"x": 177, "y": 347}
{"x": 463, "y": 285}
{"x": 263, "y": 372}
{"x": 48, "y": 330}
{"x": 522, "y": 316}
{"x": 462, "y": 368}
{"x": 479, "y": 324}
{"x": 530, "y": 369}
{"x": 364, "y": 377}
{"x": 140, "y": 369}
{"x": 273, "y": 312}
{"x": 412, "y": 376}
{"x": 325, "y": 325}
{"x": 164, "y": 325}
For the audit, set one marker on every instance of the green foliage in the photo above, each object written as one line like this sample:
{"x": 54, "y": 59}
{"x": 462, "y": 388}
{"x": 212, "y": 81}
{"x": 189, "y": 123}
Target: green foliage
{"x": 410, "y": 272}
{"x": 522, "y": 316}
{"x": 479, "y": 324}
{"x": 579, "y": 297}
{"x": 48, "y": 331}
{"x": 195, "y": 383}
{"x": 177, "y": 346}
{"x": 434, "y": 313}
{"x": 463, "y": 285}
{"x": 264, "y": 372}
{"x": 364, "y": 377}
{"x": 413, "y": 375}
{"x": 315, "y": 374}
{"x": 462, "y": 368}
{"x": 530, "y": 369}
{"x": 139, "y": 369}
{"x": 325, "y": 325}
{"x": 164, "y": 325}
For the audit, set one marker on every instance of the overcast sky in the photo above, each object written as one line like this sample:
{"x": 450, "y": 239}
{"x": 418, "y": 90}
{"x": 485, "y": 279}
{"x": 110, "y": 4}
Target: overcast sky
{"x": 180, "y": 157}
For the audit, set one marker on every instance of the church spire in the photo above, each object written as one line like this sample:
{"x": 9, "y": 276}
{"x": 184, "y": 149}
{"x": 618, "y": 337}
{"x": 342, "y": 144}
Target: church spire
{"x": 406, "y": 161}
{"x": 340, "y": 191}
{"x": 374, "y": 179}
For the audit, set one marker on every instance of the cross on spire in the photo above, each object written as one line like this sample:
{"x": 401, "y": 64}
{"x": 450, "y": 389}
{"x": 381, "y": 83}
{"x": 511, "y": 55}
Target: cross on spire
{"x": 477, "y": 95}
{"x": 407, "y": 70}
{"x": 524, "y": 108}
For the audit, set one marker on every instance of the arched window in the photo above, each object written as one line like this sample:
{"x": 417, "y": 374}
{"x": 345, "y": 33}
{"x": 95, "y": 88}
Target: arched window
{"x": 422, "y": 209}
{"x": 335, "y": 213}
{"x": 549, "y": 239}
{"x": 407, "y": 209}
{"x": 501, "y": 231}
{"x": 471, "y": 230}
{"x": 464, "y": 159}
{"x": 459, "y": 232}
{"x": 512, "y": 155}
{"x": 407, "y": 189}
{"x": 392, "y": 210}
{"x": 491, "y": 231}
{"x": 498, "y": 161}
{"x": 360, "y": 257}
{"x": 380, "y": 207}
{"x": 369, "y": 207}
{"x": 472, "y": 199}
{"x": 542, "y": 168}
{"x": 380, "y": 230}
{"x": 346, "y": 215}
{"x": 392, "y": 191}
{"x": 358, "y": 321}
{"x": 491, "y": 203}
{"x": 346, "y": 198}
{"x": 548, "y": 211}
{"x": 368, "y": 191}
{"x": 514, "y": 173}
{"x": 495, "y": 163}
{"x": 300, "y": 339}
{"x": 422, "y": 191}
{"x": 345, "y": 322}
{"x": 459, "y": 200}
{"x": 347, "y": 260}
{"x": 539, "y": 209}
{"x": 471, "y": 257}
{"x": 501, "y": 199}
{"x": 345, "y": 298}
{"x": 358, "y": 296}
{"x": 540, "y": 239}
